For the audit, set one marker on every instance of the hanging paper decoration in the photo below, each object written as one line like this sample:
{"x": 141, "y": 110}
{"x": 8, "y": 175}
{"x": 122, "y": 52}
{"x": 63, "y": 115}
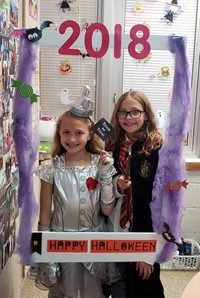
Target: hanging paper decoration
{"x": 145, "y": 59}
{"x": 75, "y": 9}
{"x": 65, "y": 67}
{"x": 64, "y": 96}
{"x": 167, "y": 235}
{"x": 170, "y": 93}
{"x": 84, "y": 24}
{"x": 32, "y": 34}
{"x": 176, "y": 185}
{"x": 186, "y": 139}
{"x": 160, "y": 117}
{"x": 146, "y": 24}
{"x": 167, "y": 206}
{"x": 84, "y": 55}
{"x": 138, "y": 8}
{"x": 64, "y": 6}
{"x": 164, "y": 71}
{"x": 25, "y": 147}
{"x": 152, "y": 76}
{"x": 173, "y": 9}
{"x": 25, "y": 90}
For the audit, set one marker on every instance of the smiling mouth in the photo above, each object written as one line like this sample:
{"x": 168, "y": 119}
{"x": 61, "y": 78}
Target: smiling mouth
{"x": 129, "y": 124}
{"x": 72, "y": 145}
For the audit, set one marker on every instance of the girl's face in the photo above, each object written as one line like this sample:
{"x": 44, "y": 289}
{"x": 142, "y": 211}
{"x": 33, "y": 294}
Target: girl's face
{"x": 74, "y": 135}
{"x": 128, "y": 124}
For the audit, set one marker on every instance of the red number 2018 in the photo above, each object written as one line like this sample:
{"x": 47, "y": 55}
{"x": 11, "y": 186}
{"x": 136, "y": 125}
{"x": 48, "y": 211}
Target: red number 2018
{"x": 135, "y": 40}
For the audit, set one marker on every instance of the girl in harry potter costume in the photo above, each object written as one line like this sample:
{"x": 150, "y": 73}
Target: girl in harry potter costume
{"x": 78, "y": 179}
{"x": 136, "y": 134}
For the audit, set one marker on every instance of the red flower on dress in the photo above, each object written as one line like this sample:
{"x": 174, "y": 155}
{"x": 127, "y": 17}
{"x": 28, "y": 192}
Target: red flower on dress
{"x": 91, "y": 183}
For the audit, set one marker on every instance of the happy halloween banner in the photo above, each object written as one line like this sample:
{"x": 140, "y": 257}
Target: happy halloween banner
{"x": 89, "y": 246}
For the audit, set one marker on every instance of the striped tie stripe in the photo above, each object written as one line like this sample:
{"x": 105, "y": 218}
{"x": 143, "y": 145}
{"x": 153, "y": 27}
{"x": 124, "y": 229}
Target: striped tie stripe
{"x": 127, "y": 202}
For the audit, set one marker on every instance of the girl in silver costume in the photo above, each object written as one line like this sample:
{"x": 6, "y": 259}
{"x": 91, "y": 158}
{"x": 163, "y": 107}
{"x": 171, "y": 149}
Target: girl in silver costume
{"x": 78, "y": 182}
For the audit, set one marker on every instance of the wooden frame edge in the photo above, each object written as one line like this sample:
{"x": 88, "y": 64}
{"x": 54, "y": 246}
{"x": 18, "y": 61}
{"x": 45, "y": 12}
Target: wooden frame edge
{"x": 193, "y": 166}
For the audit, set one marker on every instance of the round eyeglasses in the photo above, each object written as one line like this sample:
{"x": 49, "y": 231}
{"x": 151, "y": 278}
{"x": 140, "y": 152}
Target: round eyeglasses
{"x": 121, "y": 114}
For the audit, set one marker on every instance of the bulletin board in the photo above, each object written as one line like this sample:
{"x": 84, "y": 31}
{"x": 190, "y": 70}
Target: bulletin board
{"x": 9, "y": 18}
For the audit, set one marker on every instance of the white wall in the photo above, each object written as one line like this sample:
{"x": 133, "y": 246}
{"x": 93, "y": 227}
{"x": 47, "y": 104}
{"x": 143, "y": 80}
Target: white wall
{"x": 11, "y": 281}
{"x": 191, "y": 217}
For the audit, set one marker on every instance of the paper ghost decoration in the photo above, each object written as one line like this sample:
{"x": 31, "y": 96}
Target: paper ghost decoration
{"x": 160, "y": 117}
{"x": 64, "y": 96}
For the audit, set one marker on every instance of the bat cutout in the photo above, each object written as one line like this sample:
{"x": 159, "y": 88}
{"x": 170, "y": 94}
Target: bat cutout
{"x": 32, "y": 34}
{"x": 167, "y": 235}
{"x": 84, "y": 55}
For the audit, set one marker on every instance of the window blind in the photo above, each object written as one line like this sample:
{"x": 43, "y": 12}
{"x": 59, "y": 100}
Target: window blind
{"x": 147, "y": 75}
{"x": 83, "y": 69}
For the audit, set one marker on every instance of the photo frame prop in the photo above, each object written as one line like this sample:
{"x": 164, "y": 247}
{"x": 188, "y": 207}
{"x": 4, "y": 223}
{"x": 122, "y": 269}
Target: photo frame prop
{"x": 95, "y": 247}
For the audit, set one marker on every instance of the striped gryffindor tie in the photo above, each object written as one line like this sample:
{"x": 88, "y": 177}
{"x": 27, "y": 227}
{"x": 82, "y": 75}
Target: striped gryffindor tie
{"x": 126, "y": 213}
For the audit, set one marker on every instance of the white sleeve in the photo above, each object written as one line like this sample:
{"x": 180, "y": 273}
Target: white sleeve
{"x": 45, "y": 171}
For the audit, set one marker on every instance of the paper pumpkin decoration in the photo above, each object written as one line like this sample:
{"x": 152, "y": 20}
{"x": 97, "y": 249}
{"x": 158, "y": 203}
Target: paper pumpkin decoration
{"x": 65, "y": 67}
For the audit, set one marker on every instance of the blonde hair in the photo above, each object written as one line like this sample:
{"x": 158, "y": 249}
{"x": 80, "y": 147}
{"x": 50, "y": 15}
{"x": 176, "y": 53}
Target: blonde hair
{"x": 93, "y": 145}
{"x": 148, "y": 133}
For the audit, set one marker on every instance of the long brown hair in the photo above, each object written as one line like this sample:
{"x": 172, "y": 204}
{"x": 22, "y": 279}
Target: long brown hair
{"x": 93, "y": 145}
{"x": 148, "y": 133}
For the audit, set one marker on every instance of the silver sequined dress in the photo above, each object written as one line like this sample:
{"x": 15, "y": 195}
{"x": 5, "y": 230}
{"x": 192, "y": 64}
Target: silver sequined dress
{"x": 76, "y": 208}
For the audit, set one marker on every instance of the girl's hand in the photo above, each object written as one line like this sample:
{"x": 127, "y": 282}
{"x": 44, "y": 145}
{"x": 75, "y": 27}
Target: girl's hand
{"x": 106, "y": 168}
{"x": 105, "y": 157}
{"x": 144, "y": 269}
{"x": 123, "y": 183}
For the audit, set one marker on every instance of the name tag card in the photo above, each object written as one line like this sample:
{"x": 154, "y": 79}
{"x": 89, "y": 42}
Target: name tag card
{"x": 95, "y": 247}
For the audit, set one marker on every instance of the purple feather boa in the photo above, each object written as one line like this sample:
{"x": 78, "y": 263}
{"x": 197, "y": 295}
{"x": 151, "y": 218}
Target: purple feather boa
{"x": 168, "y": 206}
{"x": 26, "y": 150}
